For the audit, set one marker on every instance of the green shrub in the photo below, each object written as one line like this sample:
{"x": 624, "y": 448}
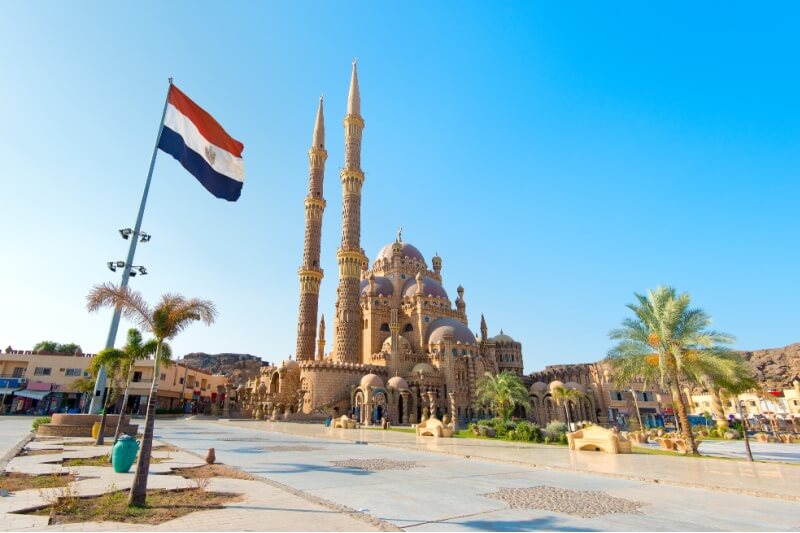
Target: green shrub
{"x": 526, "y": 431}
{"x": 554, "y": 430}
{"x": 39, "y": 421}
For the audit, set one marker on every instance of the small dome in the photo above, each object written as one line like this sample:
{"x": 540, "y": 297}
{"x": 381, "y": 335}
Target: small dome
{"x": 502, "y": 338}
{"x": 402, "y": 344}
{"x": 289, "y": 364}
{"x": 429, "y": 286}
{"x": 406, "y": 250}
{"x": 371, "y": 380}
{"x": 398, "y": 383}
{"x": 555, "y": 384}
{"x": 382, "y": 286}
{"x": 447, "y": 326}
{"x": 262, "y": 387}
{"x": 423, "y": 368}
{"x": 539, "y": 386}
{"x": 574, "y": 386}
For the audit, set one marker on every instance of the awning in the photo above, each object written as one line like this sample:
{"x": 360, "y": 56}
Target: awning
{"x": 32, "y": 394}
{"x": 647, "y": 410}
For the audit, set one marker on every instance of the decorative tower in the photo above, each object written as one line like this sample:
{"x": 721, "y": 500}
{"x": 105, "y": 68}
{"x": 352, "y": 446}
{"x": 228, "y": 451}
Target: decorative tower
{"x": 351, "y": 258}
{"x": 321, "y": 339}
{"x": 310, "y": 272}
{"x": 484, "y": 330}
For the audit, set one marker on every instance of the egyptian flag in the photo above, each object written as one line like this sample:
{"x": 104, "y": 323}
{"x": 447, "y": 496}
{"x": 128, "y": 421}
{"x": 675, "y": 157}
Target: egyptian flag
{"x": 194, "y": 138}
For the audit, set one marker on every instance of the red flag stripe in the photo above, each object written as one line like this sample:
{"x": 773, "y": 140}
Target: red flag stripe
{"x": 208, "y": 127}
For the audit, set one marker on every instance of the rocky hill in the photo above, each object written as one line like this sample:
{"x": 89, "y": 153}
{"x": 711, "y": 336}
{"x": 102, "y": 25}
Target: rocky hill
{"x": 776, "y": 367}
{"x": 238, "y": 365}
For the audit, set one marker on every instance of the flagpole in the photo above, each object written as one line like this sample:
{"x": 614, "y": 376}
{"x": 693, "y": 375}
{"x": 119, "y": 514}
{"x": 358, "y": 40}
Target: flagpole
{"x": 100, "y": 382}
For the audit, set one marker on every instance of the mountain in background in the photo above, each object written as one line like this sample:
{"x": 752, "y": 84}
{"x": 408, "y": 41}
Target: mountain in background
{"x": 240, "y": 366}
{"x": 775, "y": 368}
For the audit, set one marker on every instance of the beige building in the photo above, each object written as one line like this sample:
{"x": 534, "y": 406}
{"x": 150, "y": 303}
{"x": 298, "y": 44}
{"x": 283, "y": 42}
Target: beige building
{"x": 42, "y": 383}
{"x": 401, "y": 342}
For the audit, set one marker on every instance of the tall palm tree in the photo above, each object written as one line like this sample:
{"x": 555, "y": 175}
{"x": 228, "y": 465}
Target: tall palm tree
{"x": 170, "y": 316}
{"x": 563, "y": 395}
{"x": 114, "y": 362}
{"x": 134, "y": 351}
{"x": 504, "y": 392}
{"x": 742, "y": 382}
{"x": 669, "y": 339}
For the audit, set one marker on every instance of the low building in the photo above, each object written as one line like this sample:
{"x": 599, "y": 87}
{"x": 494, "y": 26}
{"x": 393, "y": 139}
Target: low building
{"x": 43, "y": 383}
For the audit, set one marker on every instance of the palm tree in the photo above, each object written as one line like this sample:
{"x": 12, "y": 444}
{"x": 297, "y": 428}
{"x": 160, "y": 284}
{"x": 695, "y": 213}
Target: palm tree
{"x": 504, "y": 392}
{"x": 742, "y": 382}
{"x": 114, "y": 362}
{"x": 670, "y": 340}
{"x": 134, "y": 350}
{"x": 563, "y": 395}
{"x": 172, "y": 315}
{"x": 85, "y": 386}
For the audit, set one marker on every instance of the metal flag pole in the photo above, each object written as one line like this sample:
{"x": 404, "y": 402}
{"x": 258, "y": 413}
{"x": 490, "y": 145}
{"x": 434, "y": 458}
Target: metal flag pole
{"x": 100, "y": 383}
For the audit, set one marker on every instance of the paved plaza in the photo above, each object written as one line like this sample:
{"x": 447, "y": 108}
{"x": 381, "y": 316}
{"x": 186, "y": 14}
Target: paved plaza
{"x": 310, "y": 478}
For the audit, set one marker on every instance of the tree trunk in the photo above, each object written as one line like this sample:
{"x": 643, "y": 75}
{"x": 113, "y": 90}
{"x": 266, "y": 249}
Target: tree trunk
{"x": 101, "y": 434}
{"x": 638, "y": 412}
{"x": 716, "y": 407}
{"x": 121, "y": 411}
{"x": 680, "y": 412}
{"x": 138, "y": 495}
{"x": 566, "y": 410}
{"x": 744, "y": 432}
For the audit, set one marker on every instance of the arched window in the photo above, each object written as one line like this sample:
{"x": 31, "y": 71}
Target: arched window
{"x": 384, "y": 327}
{"x": 408, "y": 328}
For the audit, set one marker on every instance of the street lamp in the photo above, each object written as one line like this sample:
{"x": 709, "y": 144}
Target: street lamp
{"x": 127, "y": 232}
{"x": 132, "y": 270}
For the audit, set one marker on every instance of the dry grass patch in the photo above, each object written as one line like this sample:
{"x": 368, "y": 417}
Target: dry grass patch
{"x": 162, "y": 506}
{"x": 14, "y": 481}
{"x": 25, "y": 453}
{"x": 85, "y": 443}
{"x": 209, "y": 471}
{"x": 103, "y": 460}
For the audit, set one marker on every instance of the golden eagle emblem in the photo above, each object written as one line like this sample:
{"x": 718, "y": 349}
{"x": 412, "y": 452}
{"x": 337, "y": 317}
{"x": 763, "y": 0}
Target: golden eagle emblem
{"x": 211, "y": 154}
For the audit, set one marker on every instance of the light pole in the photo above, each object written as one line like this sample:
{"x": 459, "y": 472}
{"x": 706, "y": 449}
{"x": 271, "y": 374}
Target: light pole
{"x": 128, "y": 270}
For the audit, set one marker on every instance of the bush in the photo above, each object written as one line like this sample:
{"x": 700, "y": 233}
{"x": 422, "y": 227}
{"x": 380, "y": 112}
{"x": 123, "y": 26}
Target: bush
{"x": 555, "y": 430}
{"x": 528, "y": 432}
{"x": 39, "y": 421}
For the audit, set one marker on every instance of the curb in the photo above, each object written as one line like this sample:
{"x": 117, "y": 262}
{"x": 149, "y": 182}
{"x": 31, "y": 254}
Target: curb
{"x": 13, "y": 452}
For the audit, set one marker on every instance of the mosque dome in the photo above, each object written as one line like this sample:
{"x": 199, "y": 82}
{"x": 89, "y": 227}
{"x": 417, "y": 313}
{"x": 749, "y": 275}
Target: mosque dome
{"x": 289, "y": 364}
{"x": 423, "y": 368}
{"x": 371, "y": 380}
{"x": 502, "y": 338}
{"x": 447, "y": 326}
{"x": 402, "y": 344}
{"x": 383, "y": 286}
{"x": 539, "y": 386}
{"x": 574, "y": 386}
{"x": 406, "y": 250}
{"x": 398, "y": 383}
{"x": 429, "y": 287}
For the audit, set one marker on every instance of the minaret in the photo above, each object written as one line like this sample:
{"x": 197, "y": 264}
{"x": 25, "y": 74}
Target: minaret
{"x": 347, "y": 322}
{"x": 484, "y": 330}
{"x": 321, "y": 339}
{"x": 310, "y": 272}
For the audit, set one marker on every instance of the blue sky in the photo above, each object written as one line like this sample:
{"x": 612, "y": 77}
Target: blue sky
{"x": 557, "y": 157}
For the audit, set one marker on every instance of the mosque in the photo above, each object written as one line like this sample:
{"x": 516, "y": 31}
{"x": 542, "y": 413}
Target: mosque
{"x": 400, "y": 344}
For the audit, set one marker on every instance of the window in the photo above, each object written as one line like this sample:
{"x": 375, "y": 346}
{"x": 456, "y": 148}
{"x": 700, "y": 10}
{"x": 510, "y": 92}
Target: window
{"x": 181, "y": 381}
{"x": 18, "y": 372}
{"x": 384, "y": 327}
{"x": 40, "y": 371}
{"x": 427, "y": 319}
{"x": 752, "y": 403}
{"x": 73, "y": 372}
{"x": 137, "y": 377}
{"x": 163, "y": 376}
{"x": 408, "y": 328}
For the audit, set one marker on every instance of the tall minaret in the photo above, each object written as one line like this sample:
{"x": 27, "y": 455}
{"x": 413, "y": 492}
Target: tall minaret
{"x": 347, "y": 322}
{"x": 310, "y": 272}
{"x": 321, "y": 339}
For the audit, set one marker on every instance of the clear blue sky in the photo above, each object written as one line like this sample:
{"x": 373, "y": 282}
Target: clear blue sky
{"x": 557, "y": 157}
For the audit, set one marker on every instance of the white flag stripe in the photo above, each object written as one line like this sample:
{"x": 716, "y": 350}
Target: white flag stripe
{"x": 223, "y": 161}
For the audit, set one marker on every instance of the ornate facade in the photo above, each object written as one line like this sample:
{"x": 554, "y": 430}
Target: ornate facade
{"x": 400, "y": 344}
